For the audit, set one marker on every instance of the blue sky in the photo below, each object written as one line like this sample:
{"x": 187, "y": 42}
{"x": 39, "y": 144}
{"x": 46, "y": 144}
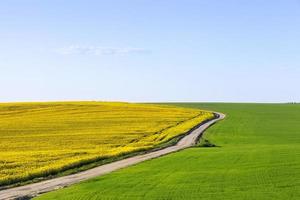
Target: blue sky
{"x": 138, "y": 50}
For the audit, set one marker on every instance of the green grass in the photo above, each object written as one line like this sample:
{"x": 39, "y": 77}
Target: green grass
{"x": 258, "y": 157}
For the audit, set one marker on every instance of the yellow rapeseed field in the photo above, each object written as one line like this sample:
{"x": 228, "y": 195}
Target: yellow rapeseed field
{"x": 39, "y": 139}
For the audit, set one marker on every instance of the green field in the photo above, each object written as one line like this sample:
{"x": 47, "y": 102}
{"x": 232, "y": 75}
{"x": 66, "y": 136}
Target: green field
{"x": 258, "y": 157}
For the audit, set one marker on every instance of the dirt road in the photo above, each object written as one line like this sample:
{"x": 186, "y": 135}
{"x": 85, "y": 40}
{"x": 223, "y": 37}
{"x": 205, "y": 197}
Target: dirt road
{"x": 45, "y": 186}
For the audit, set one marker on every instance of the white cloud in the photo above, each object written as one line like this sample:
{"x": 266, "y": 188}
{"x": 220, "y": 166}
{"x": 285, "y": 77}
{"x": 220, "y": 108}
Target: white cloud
{"x": 96, "y": 50}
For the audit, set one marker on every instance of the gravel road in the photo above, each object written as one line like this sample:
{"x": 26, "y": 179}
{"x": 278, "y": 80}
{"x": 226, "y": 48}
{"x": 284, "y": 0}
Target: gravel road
{"x": 35, "y": 189}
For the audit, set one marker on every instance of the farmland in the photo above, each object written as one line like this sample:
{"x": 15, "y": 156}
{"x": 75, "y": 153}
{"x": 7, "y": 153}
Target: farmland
{"x": 257, "y": 157}
{"x": 41, "y": 139}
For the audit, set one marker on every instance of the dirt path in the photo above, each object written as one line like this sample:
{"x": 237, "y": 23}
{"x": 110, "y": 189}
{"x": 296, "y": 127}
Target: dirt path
{"x": 45, "y": 186}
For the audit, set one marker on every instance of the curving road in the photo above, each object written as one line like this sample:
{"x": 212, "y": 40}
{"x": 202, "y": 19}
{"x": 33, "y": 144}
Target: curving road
{"x": 34, "y": 189}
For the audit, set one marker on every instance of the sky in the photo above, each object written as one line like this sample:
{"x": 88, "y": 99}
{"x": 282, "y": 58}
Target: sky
{"x": 150, "y": 51}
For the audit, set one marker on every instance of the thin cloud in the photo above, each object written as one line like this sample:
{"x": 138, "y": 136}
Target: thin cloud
{"x": 95, "y": 50}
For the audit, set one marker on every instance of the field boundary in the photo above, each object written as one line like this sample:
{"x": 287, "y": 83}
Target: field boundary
{"x": 185, "y": 140}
